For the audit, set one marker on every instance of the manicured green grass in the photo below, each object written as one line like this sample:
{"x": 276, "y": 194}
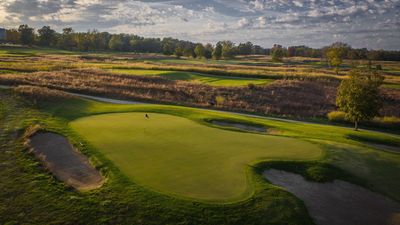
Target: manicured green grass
{"x": 29, "y": 51}
{"x": 178, "y": 156}
{"x": 195, "y": 77}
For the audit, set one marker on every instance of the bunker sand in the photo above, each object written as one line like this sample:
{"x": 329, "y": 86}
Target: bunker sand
{"x": 66, "y": 163}
{"x": 240, "y": 126}
{"x": 339, "y": 202}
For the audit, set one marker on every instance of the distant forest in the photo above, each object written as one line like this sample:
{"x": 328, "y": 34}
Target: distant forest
{"x": 94, "y": 40}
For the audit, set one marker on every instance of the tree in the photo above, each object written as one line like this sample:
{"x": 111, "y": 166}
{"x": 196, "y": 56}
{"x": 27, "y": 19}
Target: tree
{"x": 359, "y": 97}
{"x": 67, "y": 41}
{"x": 217, "y": 53}
{"x": 12, "y": 36}
{"x": 178, "y": 52}
{"x": 199, "y": 51}
{"x": 228, "y": 50}
{"x": 26, "y": 35}
{"x": 245, "y": 48}
{"x": 208, "y": 50}
{"x": 188, "y": 51}
{"x": 46, "y": 36}
{"x": 336, "y": 53}
{"x": 116, "y": 43}
{"x": 334, "y": 56}
{"x": 277, "y": 53}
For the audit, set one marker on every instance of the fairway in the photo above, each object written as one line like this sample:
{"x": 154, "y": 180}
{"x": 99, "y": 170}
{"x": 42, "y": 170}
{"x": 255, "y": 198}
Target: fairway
{"x": 178, "y": 156}
{"x": 213, "y": 80}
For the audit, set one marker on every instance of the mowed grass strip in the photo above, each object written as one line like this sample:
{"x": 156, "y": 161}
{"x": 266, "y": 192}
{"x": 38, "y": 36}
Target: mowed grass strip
{"x": 195, "y": 77}
{"x": 178, "y": 156}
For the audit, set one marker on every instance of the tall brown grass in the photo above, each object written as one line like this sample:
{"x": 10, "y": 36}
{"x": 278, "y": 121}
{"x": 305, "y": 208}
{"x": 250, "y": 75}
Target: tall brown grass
{"x": 297, "y": 98}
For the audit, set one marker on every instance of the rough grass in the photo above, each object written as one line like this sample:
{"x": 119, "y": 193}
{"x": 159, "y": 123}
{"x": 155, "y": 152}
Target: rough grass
{"x": 178, "y": 156}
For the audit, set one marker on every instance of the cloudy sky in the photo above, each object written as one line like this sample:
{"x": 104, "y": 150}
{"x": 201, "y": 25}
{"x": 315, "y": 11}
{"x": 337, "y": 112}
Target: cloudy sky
{"x": 361, "y": 23}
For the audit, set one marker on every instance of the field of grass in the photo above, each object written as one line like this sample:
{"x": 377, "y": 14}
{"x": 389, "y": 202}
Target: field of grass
{"x": 177, "y": 156}
{"x": 129, "y": 196}
{"x": 255, "y": 68}
{"x": 195, "y": 77}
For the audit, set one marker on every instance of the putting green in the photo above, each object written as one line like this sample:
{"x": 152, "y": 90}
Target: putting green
{"x": 178, "y": 156}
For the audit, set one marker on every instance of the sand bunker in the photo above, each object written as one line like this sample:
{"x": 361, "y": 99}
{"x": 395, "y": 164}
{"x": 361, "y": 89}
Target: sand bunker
{"x": 385, "y": 147}
{"x": 67, "y": 164}
{"x": 339, "y": 202}
{"x": 241, "y": 126}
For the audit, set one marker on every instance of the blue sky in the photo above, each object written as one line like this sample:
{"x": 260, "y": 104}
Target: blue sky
{"x": 368, "y": 23}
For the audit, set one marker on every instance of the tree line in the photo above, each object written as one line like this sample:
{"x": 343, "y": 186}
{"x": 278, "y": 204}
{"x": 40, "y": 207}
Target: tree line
{"x": 94, "y": 40}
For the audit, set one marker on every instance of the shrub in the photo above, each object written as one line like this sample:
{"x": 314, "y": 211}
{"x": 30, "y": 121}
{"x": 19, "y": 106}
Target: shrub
{"x": 387, "y": 121}
{"x": 337, "y": 116}
{"x": 251, "y": 86}
{"x": 391, "y": 120}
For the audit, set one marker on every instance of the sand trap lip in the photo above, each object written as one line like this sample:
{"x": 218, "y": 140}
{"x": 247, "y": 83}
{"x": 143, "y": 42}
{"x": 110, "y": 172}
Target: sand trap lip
{"x": 66, "y": 163}
{"x": 338, "y": 203}
{"x": 241, "y": 126}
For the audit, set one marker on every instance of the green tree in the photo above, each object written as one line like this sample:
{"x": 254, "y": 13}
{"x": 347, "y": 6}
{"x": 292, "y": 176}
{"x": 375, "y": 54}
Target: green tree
{"x": 208, "y": 51}
{"x": 178, "y": 52}
{"x": 116, "y": 43}
{"x": 228, "y": 50}
{"x": 217, "y": 53}
{"x": 47, "y": 36}
{"x": 277, "y": 53}
{"x": 26, "y": 35}
{"x": 188, "y": 51}
{"x": 359, "y": 96}
{"x": 335, "y": 58}
{"x": 199, "y": 50}
{"x": 12, "y": 36}
{"x": 67, "y": 40}
{"x": 245, "y": 48}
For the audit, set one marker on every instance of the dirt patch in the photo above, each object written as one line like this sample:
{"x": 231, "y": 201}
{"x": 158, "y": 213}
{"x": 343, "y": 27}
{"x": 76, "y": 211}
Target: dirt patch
{"x": 66, "y": 163}
{"x": 241, "y": 126}
{"x": 339, "y": 202}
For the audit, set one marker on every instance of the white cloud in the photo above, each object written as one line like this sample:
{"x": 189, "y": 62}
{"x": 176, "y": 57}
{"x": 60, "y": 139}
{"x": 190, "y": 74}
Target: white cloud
{"x": 244, "y": 22}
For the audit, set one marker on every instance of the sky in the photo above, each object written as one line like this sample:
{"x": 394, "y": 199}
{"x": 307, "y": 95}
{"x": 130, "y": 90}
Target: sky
{"x": 374, "y": 24}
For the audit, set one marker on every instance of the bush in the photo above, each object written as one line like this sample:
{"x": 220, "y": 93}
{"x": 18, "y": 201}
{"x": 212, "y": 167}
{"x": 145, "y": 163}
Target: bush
{"x": 337, "y": 116}
{"x": 387, "y": 121}
{"x": 251, "y": 86}
{"x": 35, "y": 94}
{"x": 391, "y": 120}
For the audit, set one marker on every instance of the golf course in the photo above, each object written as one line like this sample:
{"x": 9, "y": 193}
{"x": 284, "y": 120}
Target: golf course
{"x": 127, "y": 138}
{"x": 199, "y": 112}
{"x": 163, "y": 157}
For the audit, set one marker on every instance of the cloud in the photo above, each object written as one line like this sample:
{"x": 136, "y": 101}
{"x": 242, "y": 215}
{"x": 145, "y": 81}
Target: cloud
{"x": 311, "y": 22}
{"x": 244, "y": 22}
